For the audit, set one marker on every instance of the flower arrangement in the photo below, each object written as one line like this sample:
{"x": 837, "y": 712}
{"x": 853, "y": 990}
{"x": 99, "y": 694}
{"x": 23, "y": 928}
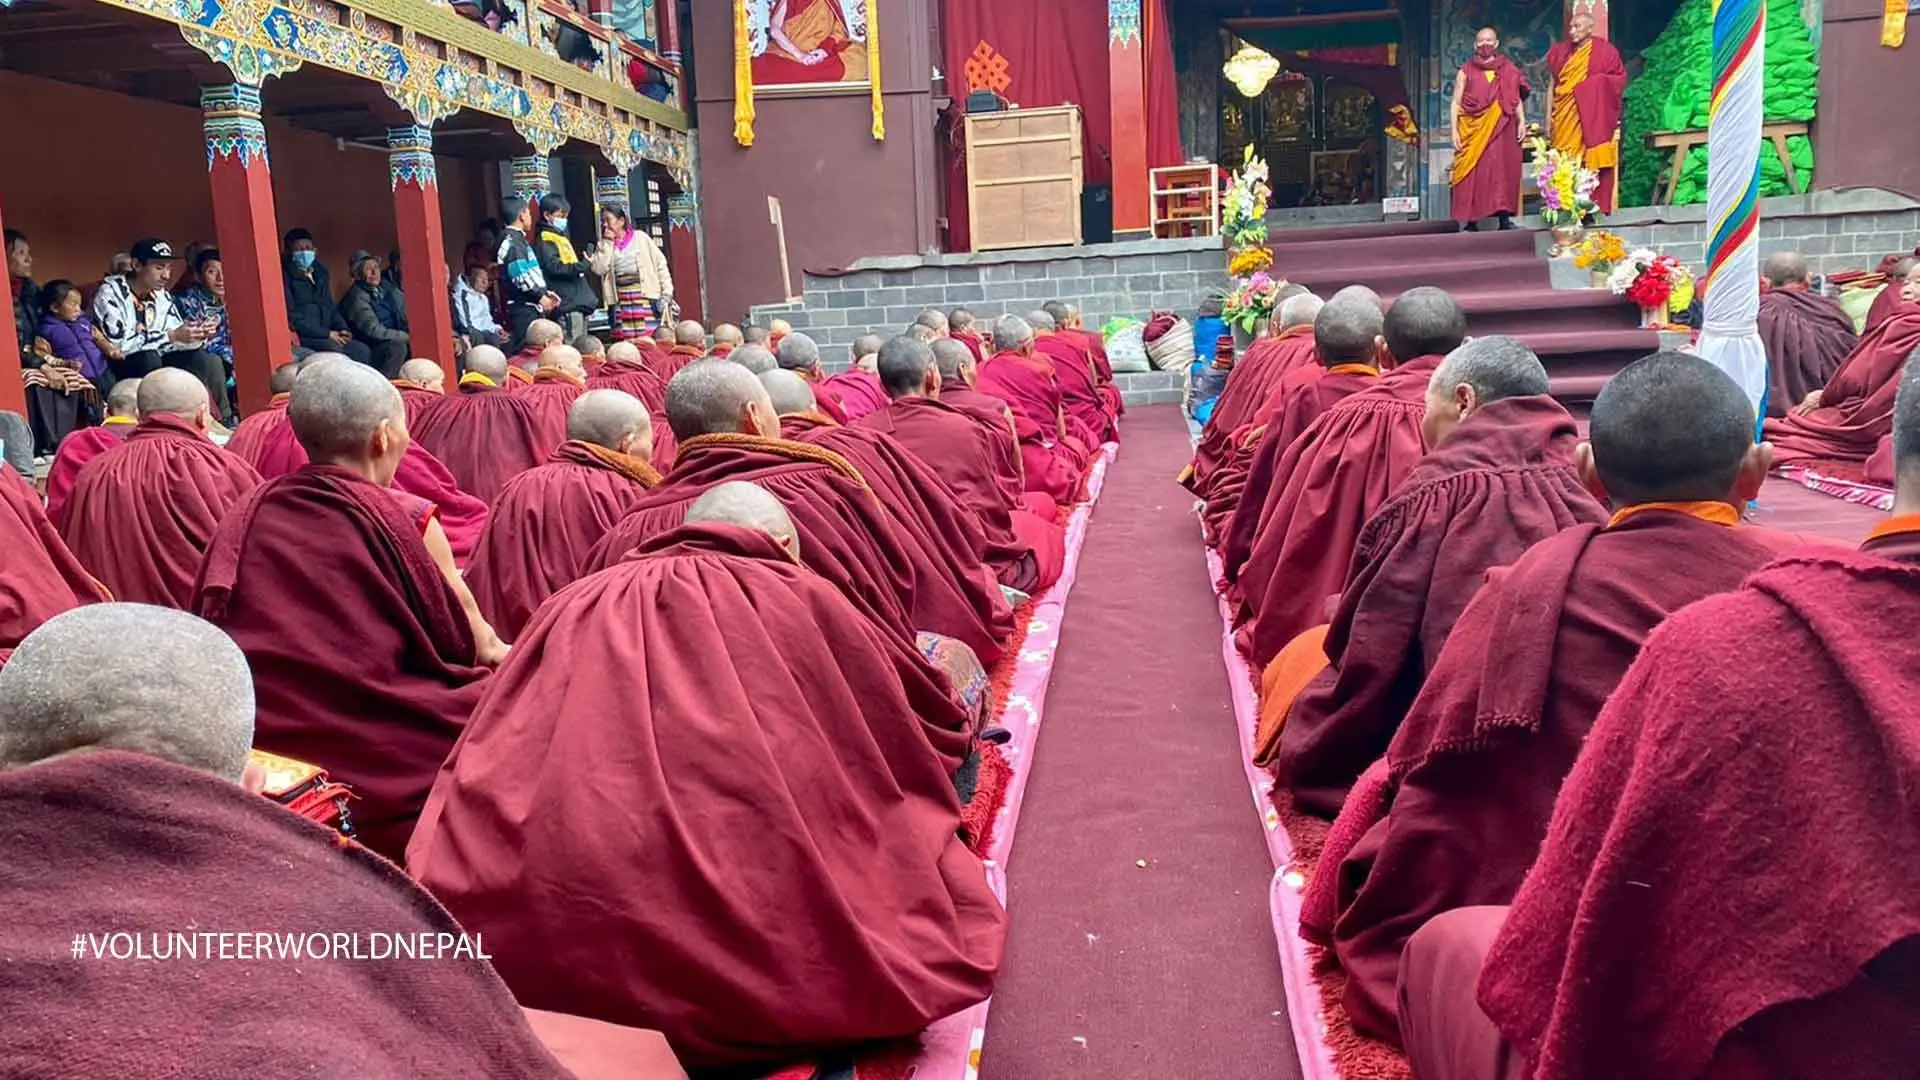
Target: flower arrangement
{"x": 1253, "y": 300}
{"x": 1566, "y": 189}
{"x": 1248, "y": 261}
{"x": 1245, "y": 211}
{"x": 1600, "y": 252}
{"x": 1651, "y": 280}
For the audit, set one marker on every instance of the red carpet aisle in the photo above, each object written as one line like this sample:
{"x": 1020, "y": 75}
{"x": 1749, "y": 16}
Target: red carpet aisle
{"x": 1113, "y": 970}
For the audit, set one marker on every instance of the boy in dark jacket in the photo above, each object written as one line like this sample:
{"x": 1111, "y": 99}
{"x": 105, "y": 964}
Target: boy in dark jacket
{"x": 311, "y": 311}
{"x": 522, "y": 283}
{"x": 564, "y": 269}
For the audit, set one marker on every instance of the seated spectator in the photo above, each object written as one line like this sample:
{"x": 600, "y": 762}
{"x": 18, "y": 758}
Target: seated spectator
{"x": 62, "y": 367}
{"x": 206, "y": 300}
{"x": 68, "y": 332}
{"x": 563, "y": 268}
{"x": 146, "y": 329}
{"x": 473, "y": 308}
{"x": 119, "y": 266}
{"x": 26, "y": 295}
{"x": 311, "y": 311}
{"x": 376, "y": 314}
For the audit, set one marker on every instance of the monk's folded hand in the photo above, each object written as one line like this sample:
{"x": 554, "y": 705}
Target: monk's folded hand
{"x": 1811, "y": 403}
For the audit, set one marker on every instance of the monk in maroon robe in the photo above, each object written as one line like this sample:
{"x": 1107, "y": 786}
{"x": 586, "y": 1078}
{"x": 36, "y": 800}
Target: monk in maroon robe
{"x": 1774, "y": 723}
{"x": 143, "y": 514}
{"x": 1891, "y": 296}
{"x": 935, "y": 519}
{"x": 1070, "y": 325}
{"x": 420, "y": 383}
{"x": 799, "y": 354}
{"x": 135, "y": 812}
{"x": 548, "y": 519}
{"x": 1250, "y": 384}
{"x": 689, "y": 344}
{"x": 857, "y": 389}
{"x": 772, "y": 869}
{"x": 627, "y": 370}
{"x": 1055, "y": 463}
{"x": 39, "y": 578}
{"x": 1474, "y": 769}
{"x": 557, "y": 384}
{"x": 1806, "y": 334}
{"x": 1489, "y": 120}
{"x": 1844, "y": 420}
{"x": 484, "y": 435}
{"x": 1499, "y": 479}
{"x": 963, "y": 328}
{"x": 1086, "y": 409}
{"x": 1585, "y": 95}
{"x": 85, "y": 444}
{"x": 375, "y": 683}
{"x": 1332, "y": 478}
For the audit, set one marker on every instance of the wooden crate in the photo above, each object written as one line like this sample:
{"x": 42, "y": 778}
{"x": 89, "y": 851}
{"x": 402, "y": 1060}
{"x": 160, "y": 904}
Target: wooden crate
{"x": 1024, "y": 173}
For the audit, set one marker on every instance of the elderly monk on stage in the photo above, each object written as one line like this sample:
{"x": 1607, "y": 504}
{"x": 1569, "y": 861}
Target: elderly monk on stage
{"x": 143, "y": 513}
{"x": 1086, "y": 410}
{"x": 1846, "y": 419}
{"x": 769, "y": 867}
{"x": 1054, "y": 462}
{"x": 799, "y": 354}
{"x": 1773, "y": 725}
{"x": 1806, "y": 334}
{"x": 857, "y": 389}
{"x": 485, "y": 435}
{"x": 558, "y": 382}
{"x": 420, "y": 382}
{"x": 689, "y": 344}
{"x": 1473, "y": 772}
{"x": 374, "y": 683}
{"x": 548, "y": 518}
{"x": 82, "y": 446}
{"x": 972, "y": 458}
{"x": 39, "y": 578}
{"x": 1332, "y": 478}
{"x": 1347, "y": 350}
{"x": 1289, "y": 347}
{"x": 1489, "y": 121}
{"x": 1499, "y": 479}
{"x": 1584, "y": 97}
{"x": 132, "y": 806}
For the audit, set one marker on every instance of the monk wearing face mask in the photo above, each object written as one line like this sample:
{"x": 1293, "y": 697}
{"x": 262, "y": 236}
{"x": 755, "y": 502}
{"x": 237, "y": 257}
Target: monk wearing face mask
{"x": 1489, "y": 120}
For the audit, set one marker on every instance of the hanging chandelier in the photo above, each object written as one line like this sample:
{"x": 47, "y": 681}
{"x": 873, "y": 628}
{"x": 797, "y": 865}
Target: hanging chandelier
{"x": 1250, "y": 70}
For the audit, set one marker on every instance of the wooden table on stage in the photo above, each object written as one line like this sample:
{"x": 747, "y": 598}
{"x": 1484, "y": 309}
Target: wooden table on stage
{"x": 1683, "y": 143}
{"x": 1024, "y": 177}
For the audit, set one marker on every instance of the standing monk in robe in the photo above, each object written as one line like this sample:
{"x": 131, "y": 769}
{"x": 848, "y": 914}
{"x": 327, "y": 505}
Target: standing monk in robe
{"x": 88, "y": 443}
{"x": 1055, "y": 465}
{"x": 799, "y": 354}
{"x": 548, "y": 518}
{"x": 39, "y": 577}
{"x": 1806, "y": 334}
{"x": 1073, "y": 365}
{"x": 775, "y": 870}
{"x": 374, "y": 684}
{"x": 858, "y": 389}
{"x": 1775, "y": 722}
{"x": 1027, "y": 551}
{"x": 1584, "y": 95}
{"x": 559, "y": 382}
{"x": 689, "y": 344}
{"x": 1846, "y": 419}
{"x": 1489, "y": 122}
{"x": 1499, "y": 479}
{"x": 485, "y": 435}
{"x": 143, "y": 513}
{"x": 1288, "y": 347}
{"x": 420, "y": 382}
{"x": 1473, "y": 772}
{"x": 1332, "y": 478}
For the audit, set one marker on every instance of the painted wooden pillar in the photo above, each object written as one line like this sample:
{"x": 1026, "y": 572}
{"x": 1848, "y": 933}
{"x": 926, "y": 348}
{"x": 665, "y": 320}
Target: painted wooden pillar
{"x": 423, "y": 249}
{"x": 1595, "y": 8}
{"x": 669, "y": 11}
{"x": 609, "y": 190}
{"x": 532, "y": 176}
{"x": 683, "y": 255}
{"x": 13, "y": 396}
{"x": 244, "y": 223}
{"x": 1127, "y": 70}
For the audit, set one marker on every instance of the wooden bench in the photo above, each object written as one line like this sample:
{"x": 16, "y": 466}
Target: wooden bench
{"x": 1683, "y": 143}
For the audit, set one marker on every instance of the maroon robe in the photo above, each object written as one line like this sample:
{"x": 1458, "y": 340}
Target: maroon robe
{"x": 1731, "y": 881}
{"x": 1806, "y": 336}
{"x": 937, "y": 521}
{"x": 1885, "y": 303}
{"x": 375, "y": 683}
{"x": 1250, "y": 383}
{"x": 1474, "y": 770}
{"x": 75, "y": 451}
{"x": 39, "y": 577}
{"x": 676, "y": 358}
{"x": 1493, "y": 186}
{"x": 545, "y": 523}
{"x": 267, "y": 442}
{"x": 975, "y": 343}
{"x": 1054, "y": 463}
{"x": 143, "y": 513}
{"x": 552, "y": 395}
{"x": 1328, "y": 482}
{"x": 484, "y": 435}
{"x": 1598, "y": 99}
{"x": 519, "y": 377}
{"x": 415, "y": 399}
{"x": 1501, "y": 482}
{"x": 1080, "y": 395}
{"x": 126, "y": 842}
{"x": 1856, "y": 406}
{"x": 828, "y": 402}
{"x": 859, "y": 392}
{"x": 634, "y": 378}
{"x": 1295, "y": 403}
{"x": 731, "y": 829}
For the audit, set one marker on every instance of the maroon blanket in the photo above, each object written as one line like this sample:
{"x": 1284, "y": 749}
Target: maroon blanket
{"x": 1251, "y": 382}
{"x": 1739, "y": 834}
{"x": 729, "y": 831}
{"x": 633, "y": 378}
{"x": 1297, "y": 400}
{"x": 75, "y": 451}
{"x": 1806, "y": 336}
{"x": 552, "y": 395}
{"x": 415, "y": 399}
{"x": 374, "y": 683}
{"x": 545, "y": 523}
{"x": 1474, "y": 770}
{"x": 485, "y": 436}
{"x": 1501, "y": 482}
{"x": 1856, "y": 406}
{"x": 125, "y": 842}
{"x": 143, "y": 514}
{"x": 39, "y": 577}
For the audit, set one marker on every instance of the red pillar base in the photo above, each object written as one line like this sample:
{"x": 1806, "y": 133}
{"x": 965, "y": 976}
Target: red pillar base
{"x": 243, "y": 221}
{"x": 416, "y": 217}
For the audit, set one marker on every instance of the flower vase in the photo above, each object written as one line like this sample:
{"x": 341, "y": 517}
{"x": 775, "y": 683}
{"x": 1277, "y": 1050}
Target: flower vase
{"x": 1653, "y": 316}
{"x": 1242, "y": 339}
{"x": 1599, "y": 279}
{"x": 1566, "y": 238}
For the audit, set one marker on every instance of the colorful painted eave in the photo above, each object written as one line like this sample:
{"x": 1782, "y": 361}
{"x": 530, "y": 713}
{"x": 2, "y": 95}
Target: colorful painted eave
{"x": 434, "y": 63}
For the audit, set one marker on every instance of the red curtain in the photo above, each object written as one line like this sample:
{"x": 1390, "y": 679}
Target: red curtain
{"x": 1163, "y": 106}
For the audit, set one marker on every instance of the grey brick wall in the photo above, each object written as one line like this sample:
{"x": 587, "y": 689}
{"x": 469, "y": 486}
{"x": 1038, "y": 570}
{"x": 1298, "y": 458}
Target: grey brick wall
{"x": 1831, "y": 242}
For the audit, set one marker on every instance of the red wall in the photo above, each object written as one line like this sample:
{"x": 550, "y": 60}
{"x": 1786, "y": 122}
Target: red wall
{"x": 1865, "y": 127}
{"x": 78, "y": 205}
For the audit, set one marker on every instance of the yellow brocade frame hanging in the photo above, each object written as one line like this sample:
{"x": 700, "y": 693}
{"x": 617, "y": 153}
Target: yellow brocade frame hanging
{"x": 742, "y": 76}
{"x": 873, "y": 69}
{"x": 1893, "y": 27}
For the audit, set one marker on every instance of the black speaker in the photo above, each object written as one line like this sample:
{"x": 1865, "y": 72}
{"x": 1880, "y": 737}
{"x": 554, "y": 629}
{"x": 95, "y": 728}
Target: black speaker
{"x": 1096, "y": 214}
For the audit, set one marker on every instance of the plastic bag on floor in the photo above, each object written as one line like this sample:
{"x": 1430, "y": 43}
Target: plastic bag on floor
{"x": 1126, "y": 353}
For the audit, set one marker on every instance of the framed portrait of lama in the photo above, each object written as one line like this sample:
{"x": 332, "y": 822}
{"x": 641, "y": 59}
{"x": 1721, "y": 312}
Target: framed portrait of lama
{"x": 809, "y": 44}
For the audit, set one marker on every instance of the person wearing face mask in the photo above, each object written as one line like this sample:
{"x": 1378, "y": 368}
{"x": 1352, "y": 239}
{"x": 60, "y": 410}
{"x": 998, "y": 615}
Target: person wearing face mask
{"x": 311, "y": 311}
{"x": 564, "y": 269}
{"x": 1489, "y": 122}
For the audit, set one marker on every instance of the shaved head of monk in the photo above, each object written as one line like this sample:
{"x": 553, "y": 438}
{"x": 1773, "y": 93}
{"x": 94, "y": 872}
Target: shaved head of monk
{"x": 1041, "y": 320}
{"x": 749, "y": 506}
{"x": 866, "y": 351}
{"x": 934, "y": 320}
{"x": 727, "y": 334}
{"x": 562, "y": 358}
{"x": 798, "y": 352}
{"x": 347, "y": 414}
{"x": 1480, "y": 372}
{"x": 1672, "y": 428}
{"x": 424, "y": 375}
{"x": 755, "y": 335}
{"x": 1012, "y": 334}
{"x": 791, "y": 394}
{"x": 959, "y": 319}
{"x": 954, "y": 361}
{"x": 1786, "y": 268}
{"x": 123, "y": 400}
{"x": 590, "y": 346}
{"x": 1580, "y": 27}
{"x": 689, "y": 333}
{"x": 1424, "y": 322}
{"x": 174, "y": 392}
{"x": 487, "y": 361}
{"x": 907, "y": 368}
{"x": 1360, "y": 292}
{"x": 281, "y": 381}
{"x": 779, "y": 328}
{"x": 623, "y": 352}
{"x": 1299, "y": 310}
{"x": 1906, "y": 439}
{"x": 755, "y": 358}
{"x": 920, "y": 333}
{"x": 663, "y": 334}
{"x": 719, "y": 397}
{"x": 613, "y": 419}
{"x": 542, "y": 333}
{"x": 1347, "y": 330}
{"x": 158, "y": 682}
{"x": 1060, "y": 312}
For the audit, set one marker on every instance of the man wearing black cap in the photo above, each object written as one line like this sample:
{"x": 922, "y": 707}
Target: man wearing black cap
{"x": 145, "y": 328}
{"x": 312, "y": 313}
